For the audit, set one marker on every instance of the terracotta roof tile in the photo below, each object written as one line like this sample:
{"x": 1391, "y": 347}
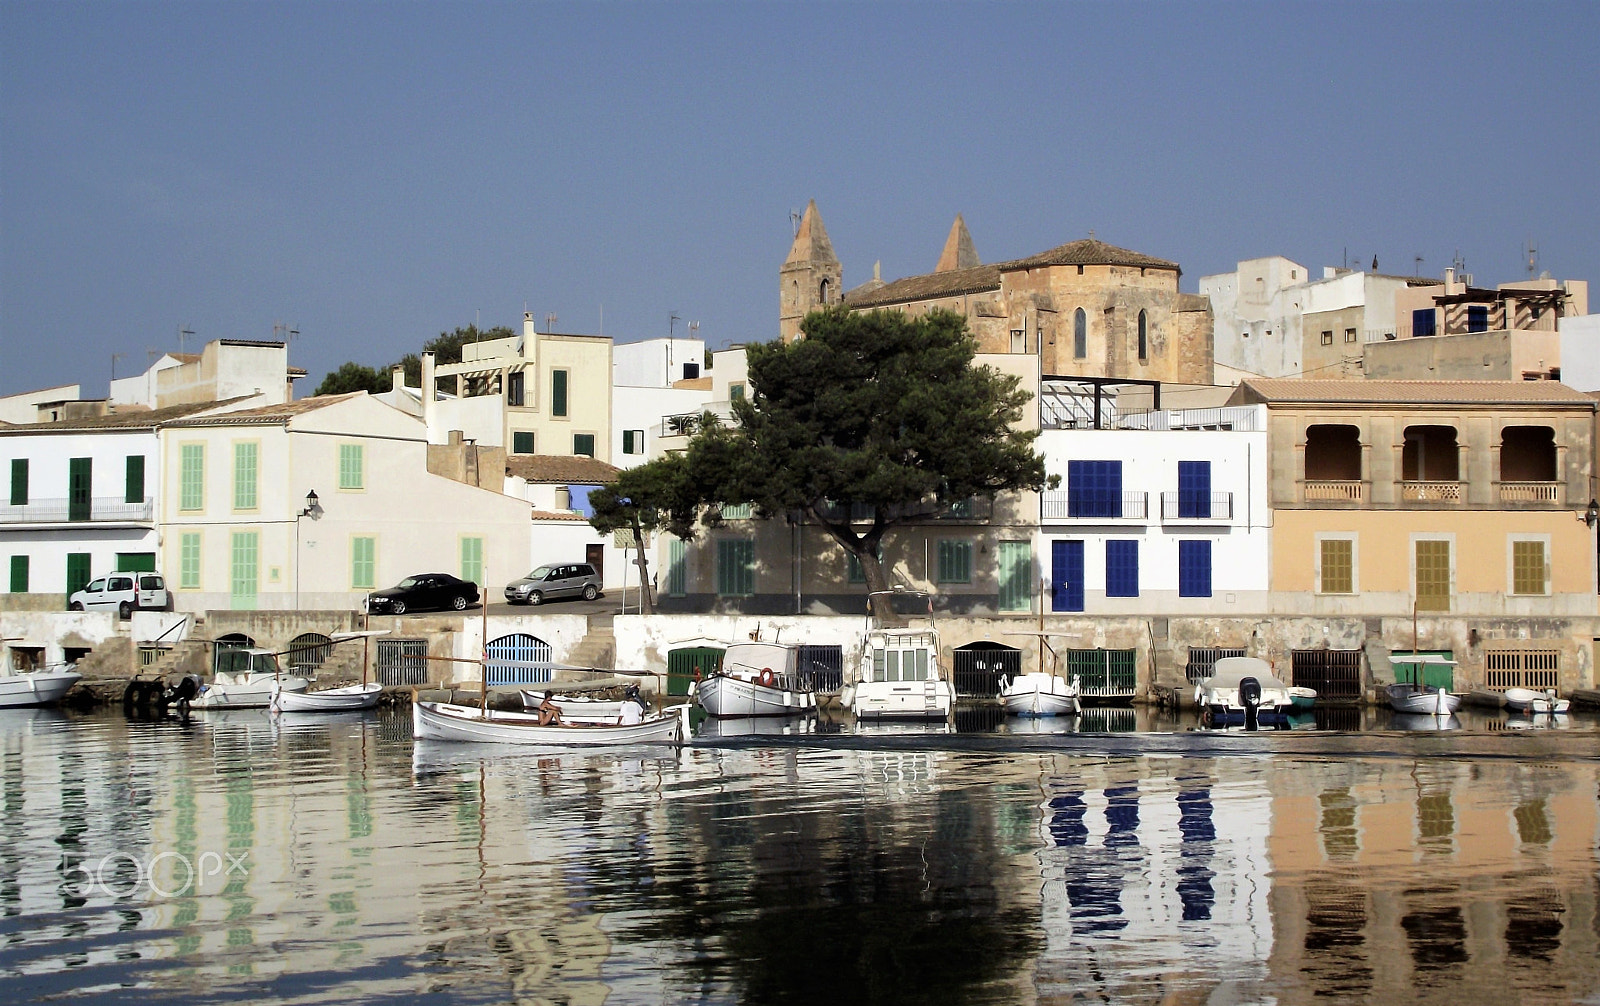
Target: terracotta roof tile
{"x": 135, "y": 419}
{"x": 267, "y": 414}
{"x": 1289, "y": 391}
{"x": 954, "y": 283}
{"x": 562, "y": 468}
{"x": 1089, "y": 252}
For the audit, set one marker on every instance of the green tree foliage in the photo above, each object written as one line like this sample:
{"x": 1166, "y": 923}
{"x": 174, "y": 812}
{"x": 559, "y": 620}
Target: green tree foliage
{"x": 872, "y": 408}
{"x": 354, "y": 377}
{"x": 445, "y": 349}
{"x": 656, "y": 496}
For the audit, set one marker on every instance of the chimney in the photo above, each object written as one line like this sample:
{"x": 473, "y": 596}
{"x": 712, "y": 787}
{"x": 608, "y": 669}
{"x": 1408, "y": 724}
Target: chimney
{"x": 455, "y": 438}
{"x": 530, "y": 346}
{"x": 427, "y": 394}
{"x": 397, "y": 378}
{"x": 1449, "y": 278}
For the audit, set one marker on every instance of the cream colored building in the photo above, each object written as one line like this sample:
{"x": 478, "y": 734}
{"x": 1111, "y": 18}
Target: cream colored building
{"x": 1463, "y": 501}
{"x": 238, "y": 528}
{"x": 1085, "y": 308}
{"x": 537, "y": 393}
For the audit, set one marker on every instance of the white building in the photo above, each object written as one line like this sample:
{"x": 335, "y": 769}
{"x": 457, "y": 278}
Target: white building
{"x": 1580, "y": 352}
{"x": 82, "y": 499}
{"x": 657, "y": 363}
{"x": 238, "y": 529}
{"x": 1159, "y": 513}
{"x": 23, "y": 407}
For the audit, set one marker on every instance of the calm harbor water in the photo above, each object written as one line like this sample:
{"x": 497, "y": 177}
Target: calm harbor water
{"x": 332, "y": 859}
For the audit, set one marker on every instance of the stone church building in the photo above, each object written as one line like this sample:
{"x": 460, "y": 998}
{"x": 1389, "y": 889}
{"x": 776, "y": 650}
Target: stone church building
{"x": 1085, "y": 308}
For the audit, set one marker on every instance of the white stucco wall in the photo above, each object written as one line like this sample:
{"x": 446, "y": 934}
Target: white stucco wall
{"x": 641, "y": 408}
{"x": 1240, "y": 545}
{"x": 23, "y": 407}
{"x": 1580, "y": 352}
{"x": 1256, "y": 311}
{"x": 654, "y": 363}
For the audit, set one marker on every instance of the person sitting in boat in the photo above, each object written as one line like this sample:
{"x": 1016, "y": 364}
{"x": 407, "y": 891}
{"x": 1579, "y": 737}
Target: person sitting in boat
{"x": 632, "y": 707}
{"x": 549, "y": 712}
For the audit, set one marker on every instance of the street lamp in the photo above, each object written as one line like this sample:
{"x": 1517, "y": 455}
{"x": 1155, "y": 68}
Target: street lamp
{"x": 311, "y": 510}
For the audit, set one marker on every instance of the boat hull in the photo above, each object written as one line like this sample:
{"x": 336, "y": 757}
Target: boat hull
{"x": 438, "y": 721}
{"x": 576, "y": 709}
{"x": 1039, "y": 695}
{"x": 330, "y": 700}
{"x": 724, "y": 696}
{"x": 1302, "y": 698}
{"x": 255, "y": 692}
{"x": 1526, "y": 700}
{"x": 912, "y": 700}
{"x": 1422, "y": 700}
{"x": 39, "y": 688}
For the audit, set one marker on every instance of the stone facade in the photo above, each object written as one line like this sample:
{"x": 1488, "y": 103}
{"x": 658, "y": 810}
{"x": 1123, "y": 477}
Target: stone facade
{"x": 1085, "y": 309}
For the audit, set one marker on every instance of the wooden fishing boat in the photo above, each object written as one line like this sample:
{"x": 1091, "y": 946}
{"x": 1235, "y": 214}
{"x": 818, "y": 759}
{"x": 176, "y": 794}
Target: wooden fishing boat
{"x": 756, "y": 679}
{"x": 442, "y": 721}
{"x": 328, "y": 700}
{"x": 576, "y": 708}
{"x": 1416, "y": 697}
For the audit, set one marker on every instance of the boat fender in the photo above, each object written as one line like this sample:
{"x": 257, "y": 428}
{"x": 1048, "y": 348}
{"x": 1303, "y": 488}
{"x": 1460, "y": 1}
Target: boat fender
{"x": 768, "y": 679}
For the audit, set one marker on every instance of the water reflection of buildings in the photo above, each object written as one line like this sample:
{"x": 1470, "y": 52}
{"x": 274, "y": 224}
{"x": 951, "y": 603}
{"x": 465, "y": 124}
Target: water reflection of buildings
{"x": 1436, "y": 879}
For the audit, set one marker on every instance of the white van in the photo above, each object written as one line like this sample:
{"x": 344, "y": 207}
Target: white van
{"x": 125, "y": 592}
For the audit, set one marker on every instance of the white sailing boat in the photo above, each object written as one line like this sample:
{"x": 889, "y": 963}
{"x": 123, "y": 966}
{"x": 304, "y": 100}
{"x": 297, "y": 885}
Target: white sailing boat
{"x": 756, "y": 679}
{"x": 897, "y": 673}
{"x": 1416, "y": 697}
{"x": 442, "y": 721}
{"x": 1041, "y": 692}
{"x": 343, "y": 699}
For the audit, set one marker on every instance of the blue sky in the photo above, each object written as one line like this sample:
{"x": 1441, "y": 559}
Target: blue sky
{"x": 376, "y": 173}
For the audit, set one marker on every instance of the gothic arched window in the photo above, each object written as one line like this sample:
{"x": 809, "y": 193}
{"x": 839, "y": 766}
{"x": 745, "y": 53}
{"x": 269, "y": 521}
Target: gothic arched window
{"x": 1080, "y": 334}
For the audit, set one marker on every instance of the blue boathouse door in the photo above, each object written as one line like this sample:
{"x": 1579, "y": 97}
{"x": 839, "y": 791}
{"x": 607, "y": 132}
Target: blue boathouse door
{"x": 1066, "y": 575}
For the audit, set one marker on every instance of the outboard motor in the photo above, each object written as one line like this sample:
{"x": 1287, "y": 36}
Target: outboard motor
{"x": 181, "y": 693}
{"x": 1250, "y": 698}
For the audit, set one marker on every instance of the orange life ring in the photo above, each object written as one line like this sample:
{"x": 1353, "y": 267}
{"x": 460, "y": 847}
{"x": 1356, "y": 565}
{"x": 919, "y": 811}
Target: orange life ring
{"x": 767, "y": 677}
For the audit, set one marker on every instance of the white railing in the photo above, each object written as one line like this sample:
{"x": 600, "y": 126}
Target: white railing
{"x": 1430, "y": 492}
{"x": 1530, "y": 492}
{"x": 1241, "y": 418}
{"x": 60, "y": 511}
{"x": 1335, "y": 489}
{"x": 1197, "y": 506}
{"x": 688, "y": 423}
{"x": 1056, "y": 504}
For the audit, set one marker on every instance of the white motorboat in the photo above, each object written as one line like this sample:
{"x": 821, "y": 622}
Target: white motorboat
{"x": 441, "y": 721}
{"x": 1417, "y": 697}
{"x": 756, "y": 679}
{"x": 328, "y": 700}
{"x": 1039, "y": 694}
{"x": 1241, "y": 689}
{"x": 1526, "y": 700}
{"x": 244, "y": 691}
{"x": 897, "y": 674}
{"x": 37, "y": 688}
{"x": 577, "y": 708}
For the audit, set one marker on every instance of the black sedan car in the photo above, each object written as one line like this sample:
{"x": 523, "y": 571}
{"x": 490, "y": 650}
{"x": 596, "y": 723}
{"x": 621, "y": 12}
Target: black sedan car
{"x": 422, "y": 592}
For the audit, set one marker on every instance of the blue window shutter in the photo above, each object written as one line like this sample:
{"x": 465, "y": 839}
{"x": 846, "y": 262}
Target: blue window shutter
{"x": 1194, "y": 489}
{"x": 1094, "y": 488}
{"x": 1194, "y": 568}
{"x": 1122, "y": 568}
{"x": 1422, "y": 321}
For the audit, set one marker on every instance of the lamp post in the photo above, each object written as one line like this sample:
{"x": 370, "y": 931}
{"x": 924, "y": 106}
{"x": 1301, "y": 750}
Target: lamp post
{"x": 311, "y": 510}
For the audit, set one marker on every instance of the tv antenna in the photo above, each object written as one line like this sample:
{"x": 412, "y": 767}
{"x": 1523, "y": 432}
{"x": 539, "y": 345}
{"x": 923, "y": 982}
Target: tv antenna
{"x": 1532, "y": 255}
{"x": 794, "y": 221}
{"x": 283, "y": 331}
{"x": 183, "y": 330}
{"x": 1416, "y": 265}
{"x": 550, "y": 322}
{"x": 114, "y": 358}
{"x": 672, "y": 323}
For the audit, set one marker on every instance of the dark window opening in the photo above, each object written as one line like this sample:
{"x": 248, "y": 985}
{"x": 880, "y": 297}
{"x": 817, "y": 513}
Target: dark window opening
{"x": 1528, "y": 454}
{"x": 1333, "y": 453}
{"x": 1430, "y": 454}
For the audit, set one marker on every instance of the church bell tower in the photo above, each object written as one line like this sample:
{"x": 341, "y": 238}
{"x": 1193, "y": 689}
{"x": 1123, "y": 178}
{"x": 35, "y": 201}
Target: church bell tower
{"x": 811, "y": 277}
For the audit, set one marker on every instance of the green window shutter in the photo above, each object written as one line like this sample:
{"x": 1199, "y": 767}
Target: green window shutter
{"x": 244, "y": 573}
{"x": 192, "y": 477}
{"x": 136, "y": 562}
{"x": 558, "y": 392}
{"x": 738, "y": 511}
{"x": 472, "y": 560}
{"x": 19, "y": 574}
{"x": 955, "y": 561}
{"x": 189, "y": 560}
{"x": 363, "y": 563}
{"x": 677, "y": 567}
{"x": 1016, "y": 576}
{"x": 244, "y": 476}
{"x": 583, "y": 443}
{"x": 627, "y": 441}
{"x": 135, "y": 487}
{"x": 19, "y": 481}
{"x": 80, "y": 488}
{"x": 77, "y": 571}
{"x": 522, "y": 442}
{"x": 736, "y": 573}
{"x": 351, "y": 462}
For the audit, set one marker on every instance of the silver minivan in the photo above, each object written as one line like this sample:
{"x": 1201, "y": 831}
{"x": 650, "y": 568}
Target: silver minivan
{"x": 577, "y": 579}
{"x": 126, "y": 592}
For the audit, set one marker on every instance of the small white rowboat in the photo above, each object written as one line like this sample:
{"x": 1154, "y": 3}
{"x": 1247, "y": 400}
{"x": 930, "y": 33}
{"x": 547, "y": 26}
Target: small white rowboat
{"x": 576, "y": 709}
{"x": 1526, "y": 700}
{"x": 441, "y": 721}
{"x": 1039, "y": 694}
{"x": 329, "y": 700}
